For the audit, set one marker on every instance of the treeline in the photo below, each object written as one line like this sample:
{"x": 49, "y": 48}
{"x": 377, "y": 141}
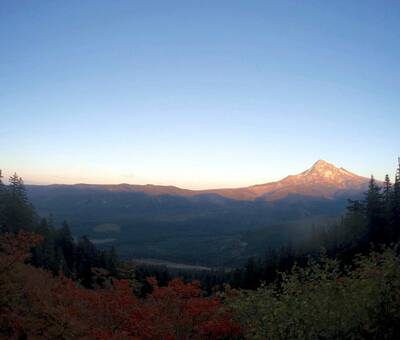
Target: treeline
{"x": 373, "y": 220}
{"x": 58, "y": 251}
{"x": 45, "y": 276}
{"x": 334, "y": 294}
{"x": 211, "y": 280}
{"x": 34, "y": 304}
{"x": 325, "y": 299}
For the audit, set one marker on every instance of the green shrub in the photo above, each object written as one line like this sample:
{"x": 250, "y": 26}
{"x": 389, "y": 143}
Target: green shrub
{"x": 325, "y": 301}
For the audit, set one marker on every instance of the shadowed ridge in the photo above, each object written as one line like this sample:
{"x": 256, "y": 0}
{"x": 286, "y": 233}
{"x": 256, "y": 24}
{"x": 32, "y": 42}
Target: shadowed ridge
{"x": 322, "y": 179}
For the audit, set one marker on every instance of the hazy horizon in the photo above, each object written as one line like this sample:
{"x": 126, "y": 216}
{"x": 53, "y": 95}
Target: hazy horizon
{"x": 7, "y": 175}
{"x": 197, "y": 95}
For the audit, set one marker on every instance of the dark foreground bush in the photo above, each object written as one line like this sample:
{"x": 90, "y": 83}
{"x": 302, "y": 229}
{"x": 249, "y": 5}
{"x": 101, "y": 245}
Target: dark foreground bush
{"x": 323, "y": 301}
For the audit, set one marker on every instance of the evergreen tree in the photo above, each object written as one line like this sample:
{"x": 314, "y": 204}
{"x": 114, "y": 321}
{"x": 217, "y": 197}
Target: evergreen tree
{"x": 353, "y": 231}
{"x": 270, "y": 265}
{"x": 387, "y": 191}
{"x": 396, "y": 205}
{"x": 65, "y": 243}
{"x": 2, "y": 201}
{"x": 388, "y": 202}
{"x": 112, "y": 261}
{"x": 45, "y": 254}
{"x": 17, "y": 188}
{"x": 17, "y": 211}
{"x": 252, "y": 273}
{"x": 58, "y": 250}
{"x": 375, "y": 212}
{"x": 87, "y": 257}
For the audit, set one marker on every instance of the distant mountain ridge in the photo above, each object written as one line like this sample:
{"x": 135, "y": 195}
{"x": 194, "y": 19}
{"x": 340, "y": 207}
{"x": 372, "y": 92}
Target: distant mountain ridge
{"x": 217, "y": 227}
{"x": 323, "y": 180}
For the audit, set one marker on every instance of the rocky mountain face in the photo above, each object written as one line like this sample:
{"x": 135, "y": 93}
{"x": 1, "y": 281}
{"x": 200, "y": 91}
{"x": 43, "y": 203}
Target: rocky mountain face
{"x": 323, "y": 180}
{"x": 216, "y": 227}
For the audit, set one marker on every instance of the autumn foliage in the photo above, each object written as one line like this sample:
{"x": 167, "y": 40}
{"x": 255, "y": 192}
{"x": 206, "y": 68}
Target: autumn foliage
{"x": 35, "y": 304}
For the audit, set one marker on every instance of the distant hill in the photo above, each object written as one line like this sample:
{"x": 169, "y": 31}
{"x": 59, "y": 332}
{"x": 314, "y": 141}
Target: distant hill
{"x": 323, "y": 179}
{"x": 217, "y": 227}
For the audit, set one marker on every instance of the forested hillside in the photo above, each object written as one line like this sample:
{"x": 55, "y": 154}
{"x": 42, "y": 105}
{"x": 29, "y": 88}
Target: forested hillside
{"x": 57, "y": 251}
{"x": 215, "y": 228}
{"x": 343, "y": 282}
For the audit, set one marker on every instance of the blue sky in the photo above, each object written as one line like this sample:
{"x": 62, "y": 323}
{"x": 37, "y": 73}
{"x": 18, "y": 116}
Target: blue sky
{"x": 197, "y": 93}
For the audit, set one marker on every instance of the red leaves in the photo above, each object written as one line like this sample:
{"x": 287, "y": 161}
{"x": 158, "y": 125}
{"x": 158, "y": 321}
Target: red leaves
{"x": 178, "y": 311}
{"x": 16, "y": 249}
{"x": 57, "y": 307}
